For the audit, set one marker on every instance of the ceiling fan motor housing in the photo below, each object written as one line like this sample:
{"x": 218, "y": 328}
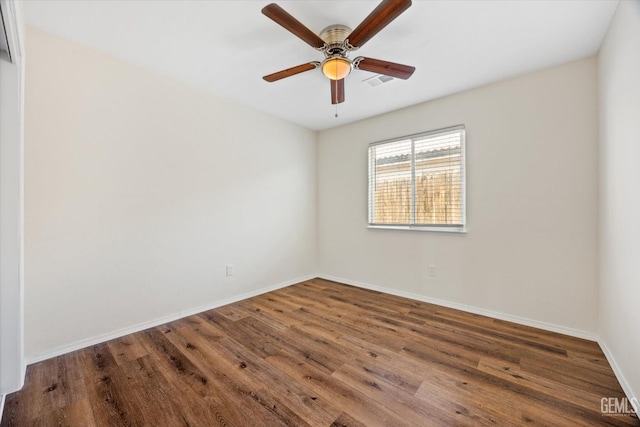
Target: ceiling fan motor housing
{"x": 334, "y": 37}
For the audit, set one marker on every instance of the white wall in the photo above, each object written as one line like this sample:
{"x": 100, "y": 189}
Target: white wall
{"x": 619, "y": 84}
{"x": 532, "y": 201}
{"x": 140, "y": 189}
{"x": 12, "y": 363}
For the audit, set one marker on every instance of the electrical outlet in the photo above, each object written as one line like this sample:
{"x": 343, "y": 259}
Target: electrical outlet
{"x": 229, "y": 270}
{"x": 432, "y": 271}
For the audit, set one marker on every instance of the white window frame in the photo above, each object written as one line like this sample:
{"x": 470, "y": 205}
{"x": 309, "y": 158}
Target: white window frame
{"x": 421, "y": 227}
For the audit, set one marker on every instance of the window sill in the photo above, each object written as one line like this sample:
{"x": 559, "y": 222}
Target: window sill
{"x": 455, "y": 230}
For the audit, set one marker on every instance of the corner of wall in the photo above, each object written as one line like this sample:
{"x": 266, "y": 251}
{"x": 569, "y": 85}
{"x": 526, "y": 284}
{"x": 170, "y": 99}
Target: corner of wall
{"x": 618, "y": 65}
{"x": 626, "y": 386}
{"x": 12, "y": 84}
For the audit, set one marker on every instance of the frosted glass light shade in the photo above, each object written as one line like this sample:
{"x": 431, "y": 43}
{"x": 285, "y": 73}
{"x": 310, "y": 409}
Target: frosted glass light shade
{"x": 336, "y": 68}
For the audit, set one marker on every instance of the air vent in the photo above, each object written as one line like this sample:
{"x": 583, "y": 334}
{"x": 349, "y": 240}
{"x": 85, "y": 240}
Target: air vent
{"x": 377, "y": 80}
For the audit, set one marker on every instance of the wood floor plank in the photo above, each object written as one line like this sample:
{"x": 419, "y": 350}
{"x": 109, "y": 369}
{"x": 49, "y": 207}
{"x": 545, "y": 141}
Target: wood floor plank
{"x": 487, "y": 330}
{"x": 352, "y": 401}
{"x": 233, "y": 312}
{"x": 272, "y": 317}
{"x": 344, "y": 420}
{"x": 574, "y": 375}
{"x": 513, "y": 372}
{"x": 230, "y": 384}
{"x": 111, "y": 399}
{"x": 406, "y": 372}
{"x": 181, "y": 399}
{"x": 313, "y": 409}
{"x": 43, "y": 387}
{"x": 126, "y": 349}
{"x": 192, "y": 384}
{"x": 411, "y": 409}
{"x": 205, "y": 329}
{"x": 353, "y": 325}
{"x": 78, "y": 413}
{"x": 458, "y": 396}
{"x": 320, "y": 353}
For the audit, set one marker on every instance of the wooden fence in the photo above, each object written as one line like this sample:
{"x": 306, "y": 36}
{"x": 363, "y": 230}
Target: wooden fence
{"x": 437, "y": 199}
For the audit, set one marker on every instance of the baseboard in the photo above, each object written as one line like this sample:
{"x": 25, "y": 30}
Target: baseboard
{"x": 78, "y": 345}
{"x": 626, "y": 387}
{"x": 470, "y": 309}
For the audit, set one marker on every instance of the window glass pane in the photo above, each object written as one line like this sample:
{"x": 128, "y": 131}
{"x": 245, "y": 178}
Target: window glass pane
{"x": 438, "y": 179}
{"x": 419, "y": 181}
{"x": 392, "y": 183}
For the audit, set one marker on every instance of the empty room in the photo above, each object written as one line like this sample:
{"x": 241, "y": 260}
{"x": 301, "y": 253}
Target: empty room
{"x": 319, "y": 213}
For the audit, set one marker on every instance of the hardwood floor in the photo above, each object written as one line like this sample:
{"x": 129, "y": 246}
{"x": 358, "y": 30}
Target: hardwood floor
{"x": 321, "y": 353}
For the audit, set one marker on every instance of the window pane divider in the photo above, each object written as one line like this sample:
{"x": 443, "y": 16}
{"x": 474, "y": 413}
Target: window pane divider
{"x": 413, "y": 182}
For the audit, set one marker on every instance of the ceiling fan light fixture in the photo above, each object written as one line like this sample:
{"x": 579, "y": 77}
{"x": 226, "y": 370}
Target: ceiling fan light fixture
{"x": 336, "y": 67}
{"x": 337, "y": 41}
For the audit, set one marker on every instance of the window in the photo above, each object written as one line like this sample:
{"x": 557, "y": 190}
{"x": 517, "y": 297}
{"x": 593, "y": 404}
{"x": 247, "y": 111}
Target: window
{"x": 417, "y": 182}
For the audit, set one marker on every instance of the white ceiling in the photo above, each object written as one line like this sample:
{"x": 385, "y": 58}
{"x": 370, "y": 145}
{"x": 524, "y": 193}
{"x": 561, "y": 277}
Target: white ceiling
{"x": 227, "y": 46}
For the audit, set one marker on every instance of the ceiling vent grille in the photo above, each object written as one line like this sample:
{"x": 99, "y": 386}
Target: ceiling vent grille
{"x": 377, "y": 80}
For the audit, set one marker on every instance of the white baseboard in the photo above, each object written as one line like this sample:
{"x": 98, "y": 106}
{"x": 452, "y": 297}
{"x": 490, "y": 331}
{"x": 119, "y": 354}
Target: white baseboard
{"x": 78, "y": 345}
{"x": 626, "y": 387}
{"x": 470, "y": 309}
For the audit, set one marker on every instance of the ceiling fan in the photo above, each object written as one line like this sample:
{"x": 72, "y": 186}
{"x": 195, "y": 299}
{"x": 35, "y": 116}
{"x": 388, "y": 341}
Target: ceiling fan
{"x": 336, "y": 41}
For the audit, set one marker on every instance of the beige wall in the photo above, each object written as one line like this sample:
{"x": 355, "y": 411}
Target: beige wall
{"x": 139, "y": 190}
{"x": 532, "y": 202}
{"x": 619, "y": 84}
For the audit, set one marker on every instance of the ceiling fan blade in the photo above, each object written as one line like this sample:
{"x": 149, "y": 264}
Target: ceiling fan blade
{"x": 291, "y": 71}
{"x": 288, "y": 22}
{"x": 387, "y": 11}
{"x": 337, "y": 91}
{"x": 387, "y": 68}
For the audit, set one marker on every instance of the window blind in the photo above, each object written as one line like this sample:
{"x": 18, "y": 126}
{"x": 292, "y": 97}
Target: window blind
{"x": 418, "y": 181}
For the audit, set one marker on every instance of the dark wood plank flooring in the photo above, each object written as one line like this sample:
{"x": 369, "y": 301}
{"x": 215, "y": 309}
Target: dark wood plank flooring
{"x": 321, "y": 353}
